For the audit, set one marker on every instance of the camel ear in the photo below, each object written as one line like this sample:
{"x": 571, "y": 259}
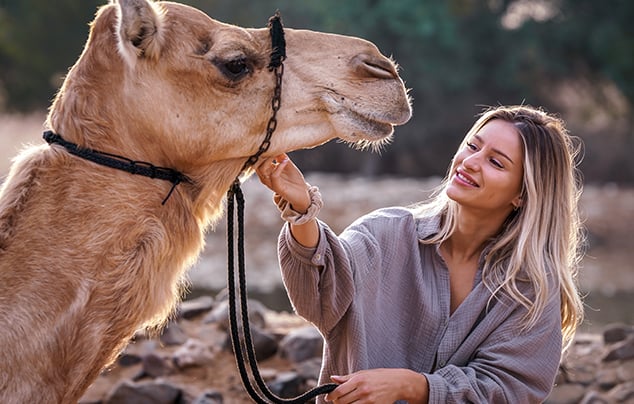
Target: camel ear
{"x": 139, "y": 29}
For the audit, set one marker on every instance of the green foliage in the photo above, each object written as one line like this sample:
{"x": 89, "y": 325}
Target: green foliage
{"x": 455, "y": 55}
{"x": 39, "y": 40}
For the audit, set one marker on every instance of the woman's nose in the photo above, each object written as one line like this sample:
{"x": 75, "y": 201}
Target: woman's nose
{"x": 472, "y": 162}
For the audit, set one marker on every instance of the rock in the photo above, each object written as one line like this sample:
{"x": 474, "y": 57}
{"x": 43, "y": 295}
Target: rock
{"x": 193, "y": 353}
{"x": 264, "y": 343}
{"x": 593, "y": 397}
{"x": 301, "y": 344}
{"x": 156, "y": 366}
{"x": 309, "y": 369}
{"x": 616, "y": 332}
{"x": 623, "y": 350}
{"x": 202, "y": 371}
{"x": 623, "y": 393}
{"x": 625, "y": 371}
{"x": 147, "y": 393}
{"x": 566, "y": 394}
{"x": 607, "y": 378}
{"x": 192, "y": 308}
{"x": 209, "y": 397}
{"x": 286, "y": 385}
{"x": 173, "y": 334}
{"x": 128, "y": 359}
{"x": 220, "y": 314}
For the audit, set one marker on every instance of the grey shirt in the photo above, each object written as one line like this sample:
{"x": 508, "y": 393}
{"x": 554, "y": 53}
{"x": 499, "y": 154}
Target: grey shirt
{"x": 381, "y": 299}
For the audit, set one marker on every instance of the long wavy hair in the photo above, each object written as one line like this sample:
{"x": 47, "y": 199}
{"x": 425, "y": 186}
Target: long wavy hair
{"x": 542, "y": 241}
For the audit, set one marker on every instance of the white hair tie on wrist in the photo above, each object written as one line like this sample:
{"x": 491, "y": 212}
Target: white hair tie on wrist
{"x": 296, "y": 218}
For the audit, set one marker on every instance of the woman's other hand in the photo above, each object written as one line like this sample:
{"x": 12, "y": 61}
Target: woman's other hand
{"x": 380, "y": 386}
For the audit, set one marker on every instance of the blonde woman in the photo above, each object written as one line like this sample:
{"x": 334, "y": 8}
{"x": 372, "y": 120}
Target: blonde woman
{"x": 468, "y": 297}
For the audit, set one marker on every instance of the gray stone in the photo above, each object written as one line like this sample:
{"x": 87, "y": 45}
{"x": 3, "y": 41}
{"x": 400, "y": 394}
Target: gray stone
{"x": 616, "y": 332}
{"x": 128, "y": 359}
{"x": 309, "y": 369}
{"x": 623, "y": 393}
{"x": 209, "y": 397}
{"x": 625, "y": 371}
{"x": 607, "y": 378}
{"x": 192, "y": 308}
{"x": 220, "y": 314}
{"x": 193, "y": 353}
{"x": 264, "y": 343}
{"x": 286, "y": 385}
{"x": 593, "y": 397}
{"x": 301, "y": 344}
{"x": 146, "y": 393}
{"x": 566, "y": 394}
{"x": 173, "y": 334}
{"x": 156, "y": 366}
{"x": 623, "y": 350}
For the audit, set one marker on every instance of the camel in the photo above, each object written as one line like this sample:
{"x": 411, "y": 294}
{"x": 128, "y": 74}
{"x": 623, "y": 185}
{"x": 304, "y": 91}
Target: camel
{"x": 90, "y": 254}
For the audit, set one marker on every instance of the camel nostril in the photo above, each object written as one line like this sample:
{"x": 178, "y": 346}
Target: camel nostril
{"x": 374, "y": 67}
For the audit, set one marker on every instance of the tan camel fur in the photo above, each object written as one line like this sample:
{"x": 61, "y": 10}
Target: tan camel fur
{"x": 88, "y": 255}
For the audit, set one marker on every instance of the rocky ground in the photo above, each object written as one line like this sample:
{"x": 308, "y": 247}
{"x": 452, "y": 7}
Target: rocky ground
{"x": 190, "y": 361}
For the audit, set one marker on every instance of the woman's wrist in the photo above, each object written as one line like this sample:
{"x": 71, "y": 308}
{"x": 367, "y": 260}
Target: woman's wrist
{"x": 416, "y": 387}
{"x": 300, "y": 216}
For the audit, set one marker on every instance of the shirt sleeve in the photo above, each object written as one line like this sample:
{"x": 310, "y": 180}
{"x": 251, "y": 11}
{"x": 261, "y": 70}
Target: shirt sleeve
{"x": 510, "y": 366}
{"x": 319, "y": 281}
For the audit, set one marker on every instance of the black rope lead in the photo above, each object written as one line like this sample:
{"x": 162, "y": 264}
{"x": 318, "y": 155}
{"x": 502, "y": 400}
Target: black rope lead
{"x": 235, "y": 194}
{"x": 262, "y": 393}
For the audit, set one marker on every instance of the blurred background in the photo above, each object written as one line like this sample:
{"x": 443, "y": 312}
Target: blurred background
{"x": 573, "y": 57}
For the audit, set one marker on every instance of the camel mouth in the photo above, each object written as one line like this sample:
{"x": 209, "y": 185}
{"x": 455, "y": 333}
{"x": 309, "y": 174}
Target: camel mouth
{"x": 365, "y": 128}
{"x": 370, "y": 127}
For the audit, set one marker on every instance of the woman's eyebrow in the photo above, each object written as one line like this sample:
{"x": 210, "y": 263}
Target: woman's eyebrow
{"x": 497, "y": 151}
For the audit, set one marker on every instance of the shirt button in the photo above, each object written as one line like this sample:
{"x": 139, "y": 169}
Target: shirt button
{"x": 317, "y": 257}
{"x": 441, "y": 364}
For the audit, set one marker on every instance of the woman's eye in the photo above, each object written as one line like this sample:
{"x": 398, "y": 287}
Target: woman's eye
{"x": 496, "y": 163}
{"x": 471, "y": 146}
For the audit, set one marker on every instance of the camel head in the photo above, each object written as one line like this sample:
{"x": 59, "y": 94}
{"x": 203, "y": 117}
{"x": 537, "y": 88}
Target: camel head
{"x": 165, "y": 83}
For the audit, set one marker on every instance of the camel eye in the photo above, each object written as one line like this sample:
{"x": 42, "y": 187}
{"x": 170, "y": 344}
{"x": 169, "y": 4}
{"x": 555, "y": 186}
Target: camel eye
{"x": 234, "y": 69}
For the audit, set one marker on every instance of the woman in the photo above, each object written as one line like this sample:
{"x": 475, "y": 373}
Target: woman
{"x": 467, "y": 297}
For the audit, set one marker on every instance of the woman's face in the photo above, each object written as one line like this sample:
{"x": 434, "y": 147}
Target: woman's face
{"x": 487, "y": 172}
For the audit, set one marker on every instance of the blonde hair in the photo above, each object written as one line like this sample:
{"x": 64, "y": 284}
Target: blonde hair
{"x": 540, "y": 242}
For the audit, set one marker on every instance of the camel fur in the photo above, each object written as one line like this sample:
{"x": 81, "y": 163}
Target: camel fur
{"x": 88, "y": 254}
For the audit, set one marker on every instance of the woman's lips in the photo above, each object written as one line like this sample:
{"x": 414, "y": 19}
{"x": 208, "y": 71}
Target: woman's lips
{"x": 466, "y": 179}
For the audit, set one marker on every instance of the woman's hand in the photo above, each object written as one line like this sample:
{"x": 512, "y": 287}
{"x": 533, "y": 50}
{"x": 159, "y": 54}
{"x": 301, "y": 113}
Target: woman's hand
{"x": 286, "y": 180}
{"x": 380, "y": 386}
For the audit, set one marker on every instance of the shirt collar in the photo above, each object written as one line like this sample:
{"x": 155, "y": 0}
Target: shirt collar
{"x": 427, "y": 226}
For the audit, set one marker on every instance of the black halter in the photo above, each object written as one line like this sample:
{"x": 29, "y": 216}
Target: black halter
{"x": 119, "y": 162}
{"x": 278, "y": 55}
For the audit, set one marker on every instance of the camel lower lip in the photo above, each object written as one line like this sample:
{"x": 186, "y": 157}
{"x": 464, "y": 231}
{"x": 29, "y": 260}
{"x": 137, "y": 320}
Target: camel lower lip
{"x": 370, "y": 127}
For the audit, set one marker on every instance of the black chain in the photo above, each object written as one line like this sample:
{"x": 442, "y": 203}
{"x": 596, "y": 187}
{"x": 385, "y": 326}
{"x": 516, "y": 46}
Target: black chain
{"x": 276, "y": 103}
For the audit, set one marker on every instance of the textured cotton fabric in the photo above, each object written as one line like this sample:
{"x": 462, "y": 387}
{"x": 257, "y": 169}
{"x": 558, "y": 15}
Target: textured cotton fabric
{"x": 381, "y": 299}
